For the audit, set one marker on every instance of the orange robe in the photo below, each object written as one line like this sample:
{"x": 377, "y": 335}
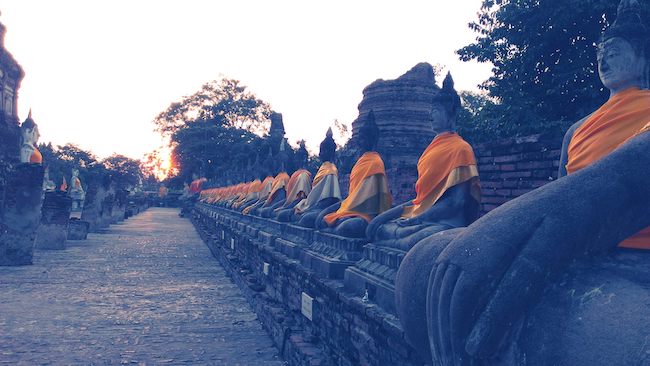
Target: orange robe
{"x": 279, "y": 182}
{"x": 367, "y": 180}
{"x": 325, "y": 185}
{"x": 622, "y": 117}
{"x": 36, "y": 157}
{"x": 446, "y": 162}
{"x": 299, "y": 182}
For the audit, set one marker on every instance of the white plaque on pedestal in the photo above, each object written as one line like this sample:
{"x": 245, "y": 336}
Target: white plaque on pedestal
{"x": 265, "y": 269}
{"x": 232, "y": 243}
{"x": 223, "y": 235}
{"x": 306, "y": 307}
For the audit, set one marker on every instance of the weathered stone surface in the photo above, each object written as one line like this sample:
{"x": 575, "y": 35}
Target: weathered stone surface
{"x": 78, "y": 229}
{"x": 343, "y": 330}
{"x": 533, "y": 270}
{"x": 52, "y": 233}
{"x": 401, "y": 108}
{"x": 21, "y": 214}
{"x": 145, "y": 292}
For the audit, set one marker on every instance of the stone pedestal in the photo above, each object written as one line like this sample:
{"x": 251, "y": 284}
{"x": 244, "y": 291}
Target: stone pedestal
{"x": 329, "y": 255}
{"x": 92, "y": 207}
{"x": 78, "y": 229}
{"x": 52, "y": 233}
{"x": 375, "y": 273}
{"x": 106, "y": 217}
{"x": 21, "y": 214}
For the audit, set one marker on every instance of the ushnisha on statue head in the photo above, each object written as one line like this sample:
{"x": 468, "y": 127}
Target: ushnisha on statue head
{"x": 446, "y": 105}
{"x": 623, "y": 50}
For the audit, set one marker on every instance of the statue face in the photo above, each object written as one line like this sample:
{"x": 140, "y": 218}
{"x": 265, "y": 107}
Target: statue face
{"x": 619, "y": 65}
{"x": 440, "y": 121}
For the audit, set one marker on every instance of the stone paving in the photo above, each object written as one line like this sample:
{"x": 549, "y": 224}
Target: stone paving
{"x": 145, "y": 292}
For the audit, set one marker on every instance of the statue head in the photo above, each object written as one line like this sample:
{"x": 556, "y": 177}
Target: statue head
{"x": 623, "y": 50}
{"x": 445, "y": 107}
{"x": 369, "y": 134}
{"x": 327, "y": 147}
{"x": 29, "y": 131}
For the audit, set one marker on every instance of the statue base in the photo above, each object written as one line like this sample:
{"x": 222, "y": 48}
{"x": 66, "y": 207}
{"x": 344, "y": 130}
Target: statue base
{"x": 375, "y": 275}
{"x": 53, "y": 231}
{"x": 78, "y": 229}
{"x": 21, "y": 214}
{"x": 329, "y": 255}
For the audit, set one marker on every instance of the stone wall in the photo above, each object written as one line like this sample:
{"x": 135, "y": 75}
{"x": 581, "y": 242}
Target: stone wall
{"x": 342, "y": 330}
{"x": 508, "y": 168}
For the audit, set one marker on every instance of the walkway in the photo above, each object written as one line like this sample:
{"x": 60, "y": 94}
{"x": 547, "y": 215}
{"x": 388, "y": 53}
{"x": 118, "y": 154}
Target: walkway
{"x": 146, "y": 292}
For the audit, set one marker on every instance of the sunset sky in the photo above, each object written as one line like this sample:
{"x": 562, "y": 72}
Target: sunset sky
{"x": 98, "y": 72}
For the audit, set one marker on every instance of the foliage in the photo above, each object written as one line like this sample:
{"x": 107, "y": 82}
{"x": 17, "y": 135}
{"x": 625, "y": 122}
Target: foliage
{"x": 223, "y": 102}
{"x": 61, "y": 160}
{"x": 125, "y": 172}
{"x": 220, "y": 132}
{"x": 544, "y": 56}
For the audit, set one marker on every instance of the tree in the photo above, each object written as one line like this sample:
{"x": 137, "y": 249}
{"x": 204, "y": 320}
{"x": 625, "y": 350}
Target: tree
{"x": 544, "y": 57}
{"x": 223, "y": 102}
{"x": 216, "y": 132}
{"x": 61, "y": 160}
{"x": 124, "y": 171}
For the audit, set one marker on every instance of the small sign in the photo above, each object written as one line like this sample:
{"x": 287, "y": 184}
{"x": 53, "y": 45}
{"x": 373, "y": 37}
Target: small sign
{"x": 223, "y": 235}
{"x": 265, "y": 269}
{"x": 232, "y": 243}
{"x": 306, "y": 307}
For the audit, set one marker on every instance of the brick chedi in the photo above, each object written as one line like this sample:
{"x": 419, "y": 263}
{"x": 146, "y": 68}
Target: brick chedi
{"x": 401, "y": 108}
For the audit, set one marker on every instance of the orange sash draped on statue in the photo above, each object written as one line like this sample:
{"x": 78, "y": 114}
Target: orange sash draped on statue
{"x": 279, "y": 182}
{"x": 624, "y": 116}
{"x": 446, "y": 162}
{"x": 325, "y": 169}
{"x": 300, "y": 181}
{"x": 36, "y": 157}
{"x": 367, "y": 180}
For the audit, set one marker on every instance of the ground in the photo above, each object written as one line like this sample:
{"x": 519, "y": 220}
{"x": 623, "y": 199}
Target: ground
{"x": 145, "y": 292}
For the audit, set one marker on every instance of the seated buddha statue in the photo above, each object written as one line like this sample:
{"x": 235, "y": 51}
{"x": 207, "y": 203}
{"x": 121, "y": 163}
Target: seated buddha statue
{"x": 277, "y": 196}
{"x": 325, "y": 190}
{"x": 29, "y": 136}
{"x": 368, "y": 194}
{"x": 265, "y": 191}
{"x": 252, "y": 195}
{"x": 447, "y": 190}
{"x": 298, "y": 188}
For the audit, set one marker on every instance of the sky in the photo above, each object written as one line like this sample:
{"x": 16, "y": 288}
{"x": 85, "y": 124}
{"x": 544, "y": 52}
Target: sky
{"x": 98, "y": 72}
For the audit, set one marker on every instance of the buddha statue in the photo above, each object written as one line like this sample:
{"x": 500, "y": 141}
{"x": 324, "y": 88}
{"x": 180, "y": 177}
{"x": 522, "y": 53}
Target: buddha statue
{"x": 475, "y": 288}
{"x": 76, "y": 191}
{"x": 48, "y": 184}
{"x": 325, "y": 190}
{"x": 447, "y": 190}
{"x": 277, "y": 196}
{"x": 298, "y": 188}
{"x": 368, "y": 193}
{"x": 265, "y": 190}
{"x": 29, "y": 136}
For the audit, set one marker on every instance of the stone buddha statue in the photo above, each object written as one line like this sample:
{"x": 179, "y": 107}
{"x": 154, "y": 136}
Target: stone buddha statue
{"x": 325, "y": 190}
{"x": 447, "y": 188}
{"x": 298, "y": 188}
{"x": 76, "y": 191}
{"x": 29, "y": 136}
{"x": 477, "y": 288}
{"x": 48, "y": 184}
{"x": 368, "y": 193}
{"x": 277, "y": 196}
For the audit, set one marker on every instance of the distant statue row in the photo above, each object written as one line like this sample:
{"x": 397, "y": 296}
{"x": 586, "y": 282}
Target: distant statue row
{"x": 447, "y": 190}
